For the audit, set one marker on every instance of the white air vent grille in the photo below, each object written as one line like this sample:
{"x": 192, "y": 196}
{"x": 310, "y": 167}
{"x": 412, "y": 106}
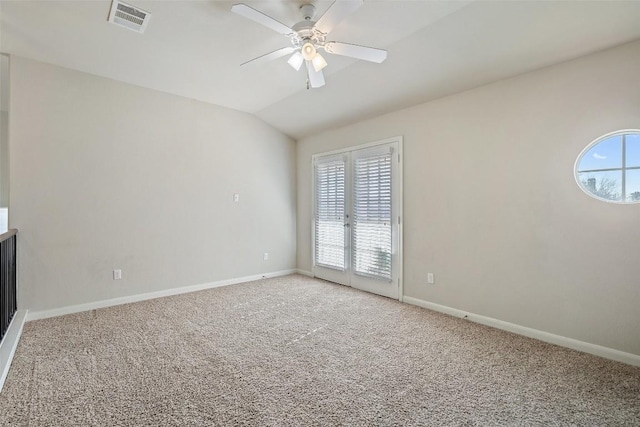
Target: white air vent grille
{"x": 128, "y": 16}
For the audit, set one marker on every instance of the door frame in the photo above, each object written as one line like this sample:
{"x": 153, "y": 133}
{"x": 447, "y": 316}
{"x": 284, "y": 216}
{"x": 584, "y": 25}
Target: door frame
{"x": 398, "y": 157}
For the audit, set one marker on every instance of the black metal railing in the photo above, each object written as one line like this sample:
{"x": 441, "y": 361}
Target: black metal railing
{"x": 8, "y": 302}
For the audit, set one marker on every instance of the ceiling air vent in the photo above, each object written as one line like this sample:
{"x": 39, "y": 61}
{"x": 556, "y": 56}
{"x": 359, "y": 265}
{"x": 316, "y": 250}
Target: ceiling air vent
{"x": 128, "y": 16}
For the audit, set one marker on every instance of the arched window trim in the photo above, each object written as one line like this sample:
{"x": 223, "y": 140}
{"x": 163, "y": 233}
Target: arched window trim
{"x": 623, "y": 169}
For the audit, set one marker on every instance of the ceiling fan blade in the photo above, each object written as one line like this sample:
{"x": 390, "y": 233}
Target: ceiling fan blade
{"x": 259, "y": 17}
{"x": 316, "y": 78}
{"x": 339, "y": 10}
{"x": 270, "y": 56}
{"x": 356, "y": 51}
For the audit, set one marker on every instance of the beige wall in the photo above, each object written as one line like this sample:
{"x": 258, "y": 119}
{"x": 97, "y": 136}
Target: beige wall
{"x": 106, "y": 175}
{"x": 492, "y": 208}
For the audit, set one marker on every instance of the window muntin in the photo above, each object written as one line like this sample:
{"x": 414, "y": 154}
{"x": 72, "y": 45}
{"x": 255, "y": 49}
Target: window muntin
{"x": 609, "y": 168}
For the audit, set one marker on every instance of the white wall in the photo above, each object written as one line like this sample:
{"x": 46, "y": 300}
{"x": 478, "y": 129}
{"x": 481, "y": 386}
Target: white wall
{"x": 106, "y": 175}
{"x": 4, "y": 139}
{"x": 491, "y": 205}
{"x": 4, "y": 160}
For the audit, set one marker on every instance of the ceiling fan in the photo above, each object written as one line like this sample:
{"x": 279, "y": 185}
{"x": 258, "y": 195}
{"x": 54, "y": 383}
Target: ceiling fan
{"x": 308, "y": 37}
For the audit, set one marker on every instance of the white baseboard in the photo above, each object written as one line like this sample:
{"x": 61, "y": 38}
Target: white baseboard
{"x": 70, "y": 309}
{"x": 304, "y": 272}
{"x": 10, "y": 343}
{"x": 597, "y": 350}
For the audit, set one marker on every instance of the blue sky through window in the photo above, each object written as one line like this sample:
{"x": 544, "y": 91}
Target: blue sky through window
{"x": 633, "y": 150}
{"x": 633, "y": 185}
{"x": 604, "y": 155}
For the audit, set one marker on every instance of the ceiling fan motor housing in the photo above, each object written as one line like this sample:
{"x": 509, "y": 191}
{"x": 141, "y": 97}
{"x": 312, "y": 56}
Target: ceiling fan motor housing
{"x": 305, "y": 32}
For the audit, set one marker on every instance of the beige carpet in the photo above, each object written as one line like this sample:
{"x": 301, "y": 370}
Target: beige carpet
{"x": 298, "y": 351}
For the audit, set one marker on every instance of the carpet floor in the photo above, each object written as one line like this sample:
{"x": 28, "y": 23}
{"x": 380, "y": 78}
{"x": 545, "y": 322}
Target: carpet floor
{"x": 296, "y": 351}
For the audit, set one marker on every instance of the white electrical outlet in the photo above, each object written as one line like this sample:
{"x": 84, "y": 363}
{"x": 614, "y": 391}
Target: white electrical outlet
{"x": 430, "y": 279}
{"x": 265, "y": 257}
{"x": 117, "y": 274}
{"x": 236, "y": 197}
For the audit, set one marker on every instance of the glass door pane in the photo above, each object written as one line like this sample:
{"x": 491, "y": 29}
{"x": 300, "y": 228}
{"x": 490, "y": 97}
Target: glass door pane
{"x": 330, "y": 214}
{"x": 372, "y": 215}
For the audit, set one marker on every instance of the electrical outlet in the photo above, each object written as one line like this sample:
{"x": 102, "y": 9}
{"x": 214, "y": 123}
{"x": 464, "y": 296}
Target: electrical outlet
{"x": 265, "y": 257}
{"x": 430, "y": 279}
{"x": 236, "y": 197}
{"x": 117, "y": 274}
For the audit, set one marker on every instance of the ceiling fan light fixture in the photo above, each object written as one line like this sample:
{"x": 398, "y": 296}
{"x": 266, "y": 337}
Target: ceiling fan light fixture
{"x": 296, "y": 61}
{"x": 308, "y": 51}
{"x": 318, "y": 62}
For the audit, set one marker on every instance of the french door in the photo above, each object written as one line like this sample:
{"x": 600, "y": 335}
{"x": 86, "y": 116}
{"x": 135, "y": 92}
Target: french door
{"x": 357, "y": 217}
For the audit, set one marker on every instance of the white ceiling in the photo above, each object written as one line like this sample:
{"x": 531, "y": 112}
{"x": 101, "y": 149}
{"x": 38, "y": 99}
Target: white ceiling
{"x": 436, "y": 48}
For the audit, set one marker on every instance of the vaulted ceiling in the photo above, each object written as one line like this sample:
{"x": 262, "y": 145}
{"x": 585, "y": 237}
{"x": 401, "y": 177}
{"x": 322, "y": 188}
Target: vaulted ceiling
{"x": 436, "y": 48}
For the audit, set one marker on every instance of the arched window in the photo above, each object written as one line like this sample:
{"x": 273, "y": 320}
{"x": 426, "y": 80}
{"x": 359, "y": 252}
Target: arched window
{"x": 609, "y": 168}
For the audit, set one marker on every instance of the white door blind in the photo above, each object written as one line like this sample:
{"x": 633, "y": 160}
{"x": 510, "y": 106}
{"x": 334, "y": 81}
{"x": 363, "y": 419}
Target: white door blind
{"x": 372, "y": 216}
{"x": 330, "y": 212}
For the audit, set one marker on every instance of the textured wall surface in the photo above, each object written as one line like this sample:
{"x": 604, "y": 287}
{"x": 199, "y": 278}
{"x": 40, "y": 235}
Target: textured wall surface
{"x": 106, "y": 175}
